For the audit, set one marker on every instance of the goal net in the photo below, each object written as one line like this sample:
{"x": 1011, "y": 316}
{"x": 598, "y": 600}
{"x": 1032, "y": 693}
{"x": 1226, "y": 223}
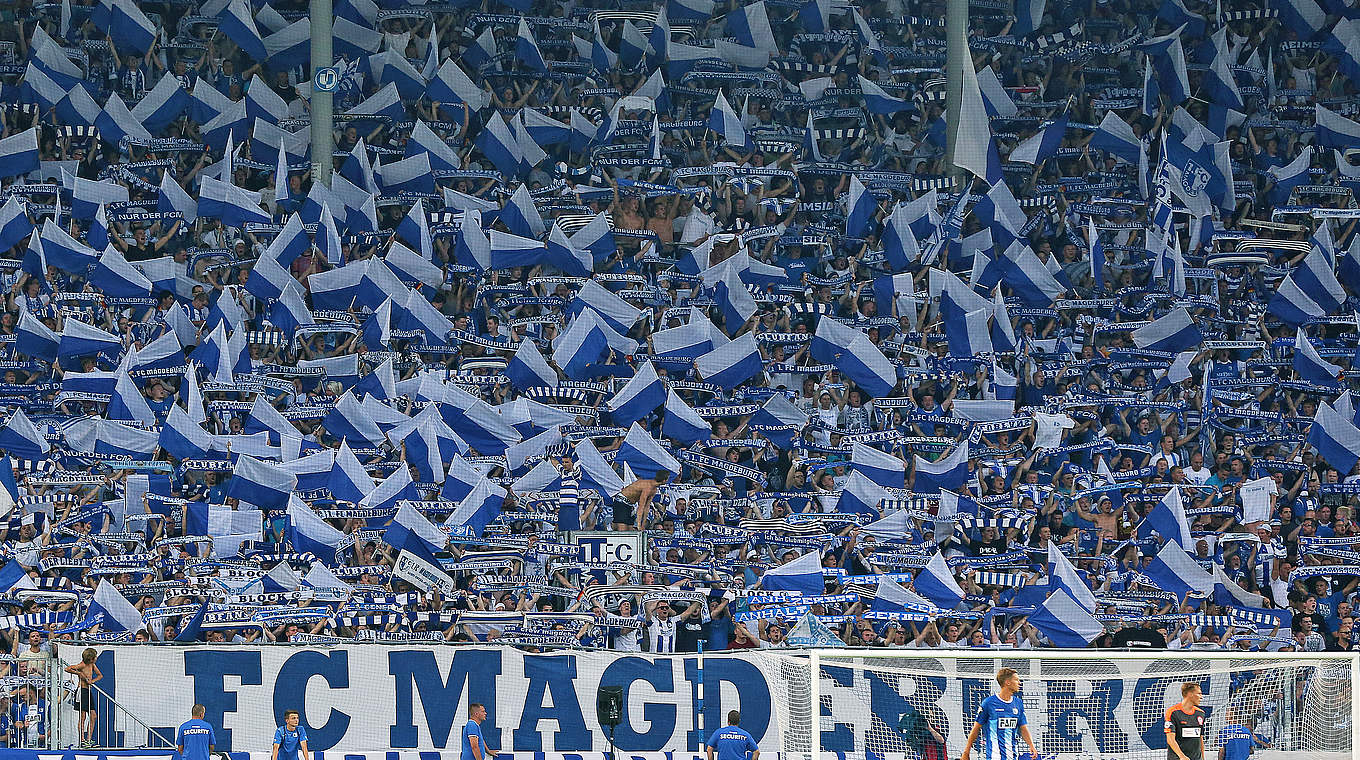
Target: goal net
{"x": 910, "y": 704}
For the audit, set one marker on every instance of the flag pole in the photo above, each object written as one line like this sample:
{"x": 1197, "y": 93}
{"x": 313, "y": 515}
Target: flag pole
{"x": 956, "y": 35}
{"x": 323, "y": 139}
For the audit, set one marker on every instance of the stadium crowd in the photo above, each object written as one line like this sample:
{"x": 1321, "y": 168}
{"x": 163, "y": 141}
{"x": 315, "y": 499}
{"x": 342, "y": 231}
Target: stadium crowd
{"x": 700, "y": 271}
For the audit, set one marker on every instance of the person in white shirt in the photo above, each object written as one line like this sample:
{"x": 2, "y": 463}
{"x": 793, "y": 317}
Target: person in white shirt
{"x": 627, "y": 638}
{"x": 1197, "y": 473}
{"x": 660, "y": 628}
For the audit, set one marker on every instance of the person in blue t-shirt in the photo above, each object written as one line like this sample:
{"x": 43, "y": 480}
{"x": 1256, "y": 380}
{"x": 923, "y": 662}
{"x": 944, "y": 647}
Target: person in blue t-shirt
{"x": 732, "y": 742}
{"x": 1238, "y": 740}
{"x": 290, "y": 738}
{"x": 195, "y": 738}
{"x": 999, "y": 721}
{"x": 474, "y": 747}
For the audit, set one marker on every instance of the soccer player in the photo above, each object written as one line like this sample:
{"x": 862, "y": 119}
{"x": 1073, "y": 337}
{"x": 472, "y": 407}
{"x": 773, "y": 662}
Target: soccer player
{"x": 1001, "y": 717}
{"x": 732, "y": 742}
{"x": 289, "y": 738}
{"x": 196, "y": 739}
{"x": 474, "y": 747}
{"x": 1184, "y": 726}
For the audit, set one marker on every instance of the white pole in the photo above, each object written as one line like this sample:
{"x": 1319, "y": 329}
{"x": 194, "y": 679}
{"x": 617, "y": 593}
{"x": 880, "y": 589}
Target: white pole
{"x": 1355, "y": 706}
{"x": 322, "y": 111}
{"x": 815, "y": 691}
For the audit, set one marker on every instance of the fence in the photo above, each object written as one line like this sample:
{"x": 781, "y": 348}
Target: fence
{"x": 372, "y": 698}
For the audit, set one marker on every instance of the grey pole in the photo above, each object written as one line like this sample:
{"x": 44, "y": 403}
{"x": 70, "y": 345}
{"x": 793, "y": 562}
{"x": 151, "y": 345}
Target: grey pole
{"x": 323, "y": 115}
{"x": 956, "y": 35}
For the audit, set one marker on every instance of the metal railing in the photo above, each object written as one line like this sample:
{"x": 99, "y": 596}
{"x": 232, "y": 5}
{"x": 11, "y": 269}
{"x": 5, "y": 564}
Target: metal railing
{"x": 90, "y": 717}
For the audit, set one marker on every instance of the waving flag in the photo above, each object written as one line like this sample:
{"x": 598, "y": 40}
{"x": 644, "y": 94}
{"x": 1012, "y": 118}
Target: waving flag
{"x": 1310, "y": 291}
{"x": 1337, "y": 440}
{"x": 20, "y": 438}
{"x": 682, "y": 423}
{"x": 724, "y": 122}
{"x": 1042, "y": 145}
{"x": 1174, "y": 332}
{"x": 526, "y": 48}
{"x": 949, "y": 472}
{"x": 1168, "y": 520}
{"x": 974, "y": 149}
{"x": 111, "y": 610}
{"x": 410, "y": 531}
{"x": 936, "y": 583}
{"x": 861, "y": 496}
{"x": 645, "y": 455}
{"x": 643, "y": 393}
{"x": 1310, "y": 365}
{"x": 1063, "y": 621}
{"x": 803, "y": 575}
{"x": 732, "y": 364}
{"x": 260, "y": 483}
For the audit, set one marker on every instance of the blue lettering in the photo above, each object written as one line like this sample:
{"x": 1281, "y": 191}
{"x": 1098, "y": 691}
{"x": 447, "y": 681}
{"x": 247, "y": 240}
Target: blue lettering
{"x": 556, "y": 675}
{"x": 659, "y": 715}
{"x": 753, "y": 696}
{"x": 290, "y": 693}
{"x": 475, "y": 668}
{"x": 1063, "y": 734}
{"x": 208, "y": 669}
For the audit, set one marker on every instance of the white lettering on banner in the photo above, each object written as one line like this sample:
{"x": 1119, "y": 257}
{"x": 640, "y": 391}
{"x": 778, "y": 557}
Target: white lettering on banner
{"x": 24, "y": 754}
{"x": 609, "y": 546}
{"x": 367, "y": 697}
{"x": 423, "y": 575}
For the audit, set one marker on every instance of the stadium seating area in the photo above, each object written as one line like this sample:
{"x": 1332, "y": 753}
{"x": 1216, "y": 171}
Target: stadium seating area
{"x": 698, "y": 270}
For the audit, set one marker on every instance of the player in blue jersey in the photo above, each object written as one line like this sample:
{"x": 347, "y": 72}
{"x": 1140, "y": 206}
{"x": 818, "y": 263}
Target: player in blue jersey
{"x": 1000, "y": 720}
{"x": 290, "y": 740}
{"x": 196, "y": 738}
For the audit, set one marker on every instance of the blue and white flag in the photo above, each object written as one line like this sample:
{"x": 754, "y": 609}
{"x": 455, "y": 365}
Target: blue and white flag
{"x": 860, "y": 495}
{"x": 643, "y": 393}
{"x": 1335, "y": 130}
{"x": 751, "y": 27}
{"x": 1063, "y": 576}
{"x": 974, "y": 149}
{"x": 21, "y": 439}
{"x": 1114, "y": 136}
{"x": 237, "y": 22}
{"x": 260, "y": 483}
{"x": 34, "y": 339}
{"x": 1174, "y": 332}
{"x": 861, "y": 207}
{"x": 645, "y": 455}
{"x": 1305, "y": 17}
{"x": 412, "y": 532}
{"x": 452, "y": 85}
{"x": 683, "y": 424}
{"x": 582, "y": 345}
{"x": 235, "y": 206}
{"x": 166, "y": 102}
{"x": 1175, "y": 571}
{"x": 348, "y": 480}
{"x": 994, "y": 96}
{"x": 1167, "y": 519}
{"x": 948, "y": 473}
{"x": 878, "y": 101}
{"x": 479, "y": 507}
{"x": 732, "y": 364}
{"x": 111, "y": 610}
{"x": 117, "y": 278}
{"x": 884, "y": 469}
{"x": 1097, "y": 250}
{"x": 1064, "y": 622}
{"x": 1027, "y": 276}
{"x": 1337, "y": 440}
{"x": 527, "y": 368}
{"x": 309, "y": 533}
{"x": 724, "y": 122}
{"x": 803, "y": 575}
{"x": 891, "y": 599}
{"x": 526, "y": 48}
{"x": 129, "y": 28}
{"x": 1310, "y": 291}
{"x": 1310, "y": 365}
{"x": 183, "y": 438}
{"x": 79, "y": 339}
{"x": 1042, "y": 145}
{"x": 936, "y": 582}
{"x": 616, "y": 312}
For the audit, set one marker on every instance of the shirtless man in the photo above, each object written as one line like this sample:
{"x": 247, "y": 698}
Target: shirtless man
{"x": 639, "y": 495}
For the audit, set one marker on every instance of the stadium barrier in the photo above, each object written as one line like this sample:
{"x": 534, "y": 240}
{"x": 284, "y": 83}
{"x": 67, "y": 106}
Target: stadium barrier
{"x": 373, "y": 699}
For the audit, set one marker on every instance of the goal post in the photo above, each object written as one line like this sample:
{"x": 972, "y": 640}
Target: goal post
{"x": 909, "y": 704}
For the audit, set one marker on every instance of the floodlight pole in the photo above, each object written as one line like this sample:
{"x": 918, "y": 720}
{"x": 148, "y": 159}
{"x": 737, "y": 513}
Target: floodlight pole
{"x": 956, "y": 35}
{"x": 323, "y": 114}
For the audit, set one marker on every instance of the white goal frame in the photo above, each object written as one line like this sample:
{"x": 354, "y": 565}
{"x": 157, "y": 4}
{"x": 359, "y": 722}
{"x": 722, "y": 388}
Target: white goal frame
{"x": 845, "y": 656}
